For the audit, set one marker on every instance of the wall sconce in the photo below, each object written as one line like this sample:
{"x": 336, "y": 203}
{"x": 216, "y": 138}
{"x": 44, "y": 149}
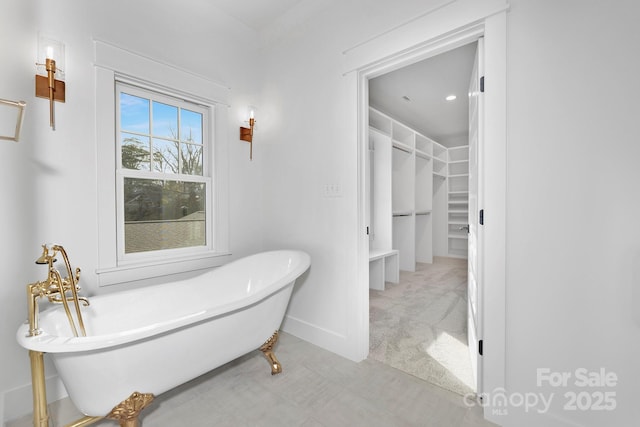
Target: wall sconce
{"x": 50, "y": 73}
{"x": 246, "y": 134}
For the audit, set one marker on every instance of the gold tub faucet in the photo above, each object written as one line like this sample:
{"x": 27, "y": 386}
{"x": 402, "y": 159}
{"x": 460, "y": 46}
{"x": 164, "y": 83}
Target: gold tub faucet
{"x": 56, "y": 289}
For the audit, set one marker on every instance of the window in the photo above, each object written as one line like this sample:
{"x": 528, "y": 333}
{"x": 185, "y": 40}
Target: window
{"x": 162, "y": 168}
{"x": 163, "y": 180}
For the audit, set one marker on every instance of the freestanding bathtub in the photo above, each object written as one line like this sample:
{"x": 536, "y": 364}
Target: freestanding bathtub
{"x": 152, "y": 339}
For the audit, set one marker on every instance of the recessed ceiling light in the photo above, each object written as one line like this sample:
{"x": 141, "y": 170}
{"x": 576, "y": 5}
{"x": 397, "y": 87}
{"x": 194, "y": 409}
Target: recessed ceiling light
{"x": 450, "y": 97}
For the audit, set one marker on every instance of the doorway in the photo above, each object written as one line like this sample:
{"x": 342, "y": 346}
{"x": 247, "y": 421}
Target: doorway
{"x": 419, "y": 324}
{"x": 389, "y": 52}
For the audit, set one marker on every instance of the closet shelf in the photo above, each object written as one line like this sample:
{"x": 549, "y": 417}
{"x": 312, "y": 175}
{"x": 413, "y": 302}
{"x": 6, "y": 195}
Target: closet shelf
{"x": 440, "y": 175}
{"x": 458, "y": 201}
{"x": 380, "y": 131}
{"x": 458, "y": 236}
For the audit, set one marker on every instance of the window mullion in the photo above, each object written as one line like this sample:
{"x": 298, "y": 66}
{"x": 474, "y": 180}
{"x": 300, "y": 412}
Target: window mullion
{"x": 151, "y": 150}
{"x": 131, "y": 173}
{"x": 179, "y": 137}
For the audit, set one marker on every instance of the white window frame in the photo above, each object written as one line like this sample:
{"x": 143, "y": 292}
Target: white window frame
{"x": 123, "y": 173}
{"x": 113, "y": 65}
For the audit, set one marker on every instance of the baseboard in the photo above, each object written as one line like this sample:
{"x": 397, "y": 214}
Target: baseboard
{"x": 18, "y": 402}
{"x": 322, "y": 337}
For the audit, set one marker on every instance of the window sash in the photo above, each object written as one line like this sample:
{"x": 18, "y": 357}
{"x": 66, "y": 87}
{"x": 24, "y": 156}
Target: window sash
{"x": 123, "y": 173}
{"x": 152, "y": 96}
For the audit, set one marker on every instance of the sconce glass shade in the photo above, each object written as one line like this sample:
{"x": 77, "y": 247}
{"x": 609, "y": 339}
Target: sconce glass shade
{"x": 49, "y": 48}
{"x": 251, "y": 112}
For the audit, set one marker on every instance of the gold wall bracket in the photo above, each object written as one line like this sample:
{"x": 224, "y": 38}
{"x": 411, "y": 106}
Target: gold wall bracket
{"x": 246, "y": 134}
{"x": 42, "y": 88}
{"x": 46, "y": 87}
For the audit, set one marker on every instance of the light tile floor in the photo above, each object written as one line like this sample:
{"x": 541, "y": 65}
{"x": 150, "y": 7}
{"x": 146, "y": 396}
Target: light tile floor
{"x": 316, "y": 389}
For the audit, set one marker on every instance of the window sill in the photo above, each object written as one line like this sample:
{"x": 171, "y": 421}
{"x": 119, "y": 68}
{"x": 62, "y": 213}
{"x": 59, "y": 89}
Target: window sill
{"x": 158, "y": 268}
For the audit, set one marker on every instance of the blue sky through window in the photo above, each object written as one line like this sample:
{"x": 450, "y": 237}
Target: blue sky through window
{"x": 135, "y": 116}
{"x": 165, "y": 120}
{"x": 134, "y": 113}
{"x": 191, "y": 126}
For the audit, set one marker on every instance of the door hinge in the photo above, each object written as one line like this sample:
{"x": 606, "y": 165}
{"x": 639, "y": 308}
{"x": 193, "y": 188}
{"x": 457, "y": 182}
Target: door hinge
{"x": 481, "y": 219}
{"x": 367, "y": 230}
{"x": 482, "y": 84}
{"x": 480, "y": 347}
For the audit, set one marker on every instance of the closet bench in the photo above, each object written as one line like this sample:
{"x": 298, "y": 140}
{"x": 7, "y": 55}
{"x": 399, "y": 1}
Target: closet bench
{"x": 383, "y": 267}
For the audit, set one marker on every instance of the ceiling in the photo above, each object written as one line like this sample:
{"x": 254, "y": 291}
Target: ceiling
{"x": 272, "y": 19}
{"x": 426, "y": 84}
{"x": 257, "y": 14}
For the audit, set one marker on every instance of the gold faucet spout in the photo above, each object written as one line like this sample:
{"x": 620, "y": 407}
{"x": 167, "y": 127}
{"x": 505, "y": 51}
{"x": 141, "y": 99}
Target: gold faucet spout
{"x": 34, "y": 291}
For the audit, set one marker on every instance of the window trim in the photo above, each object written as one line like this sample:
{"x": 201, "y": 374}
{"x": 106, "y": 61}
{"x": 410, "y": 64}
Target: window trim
{"x": 115, "y": 64}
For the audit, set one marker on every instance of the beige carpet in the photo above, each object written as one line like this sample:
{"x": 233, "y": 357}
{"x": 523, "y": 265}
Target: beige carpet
{"x": 420, "y": 325}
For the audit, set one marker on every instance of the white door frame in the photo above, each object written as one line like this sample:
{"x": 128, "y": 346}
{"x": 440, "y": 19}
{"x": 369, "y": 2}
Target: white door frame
{"x": 493, "y": 29}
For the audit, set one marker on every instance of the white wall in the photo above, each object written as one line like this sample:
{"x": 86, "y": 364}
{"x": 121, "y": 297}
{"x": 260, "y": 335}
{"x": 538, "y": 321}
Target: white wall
{"x": 573, "y": 249}
{"x": 18, "y": 206}
{"x": 314, "y": 144}
{"x": 48, "y": 180}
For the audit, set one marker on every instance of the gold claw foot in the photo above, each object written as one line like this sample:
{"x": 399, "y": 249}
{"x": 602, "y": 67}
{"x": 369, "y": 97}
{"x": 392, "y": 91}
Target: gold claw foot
{"x": 127, "y": 411}
{"x": 267, "y": 349}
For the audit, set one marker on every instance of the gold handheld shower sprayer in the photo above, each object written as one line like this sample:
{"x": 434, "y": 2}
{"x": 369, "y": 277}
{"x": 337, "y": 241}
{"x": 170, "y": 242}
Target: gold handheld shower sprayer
{"x": 45, "y": 258}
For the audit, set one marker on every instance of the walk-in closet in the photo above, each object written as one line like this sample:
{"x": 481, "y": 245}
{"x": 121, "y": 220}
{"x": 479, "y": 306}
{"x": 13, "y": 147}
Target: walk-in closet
{"x": 418, "y": 198}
